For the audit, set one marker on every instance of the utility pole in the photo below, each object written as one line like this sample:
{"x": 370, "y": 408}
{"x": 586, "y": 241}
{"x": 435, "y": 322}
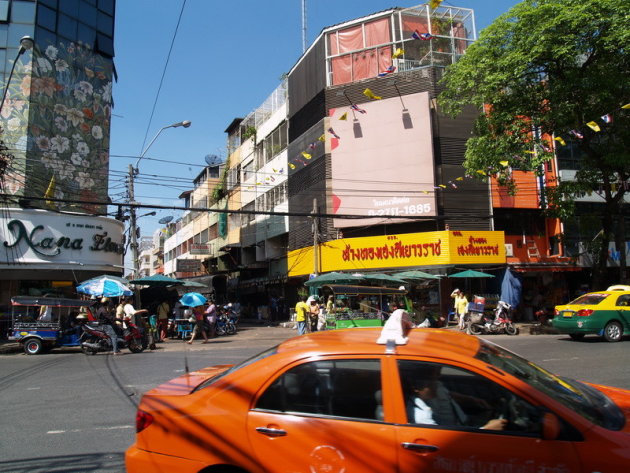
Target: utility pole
{"x": 133, "y": 229}
{"x": 303, "y": 26}
{"x": 315, "y": 239}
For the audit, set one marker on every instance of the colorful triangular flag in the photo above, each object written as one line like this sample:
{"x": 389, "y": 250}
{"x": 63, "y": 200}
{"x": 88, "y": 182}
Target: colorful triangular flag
{"x": 504, "y": 163}
{"x": 387, "y": 71}
{"x": 322, "y": 138}
{"x": 369, "y": 94}
{"x": 292, "y": 166}
{"x": 332, "y": 132}
{"x": 460, "y": 178}
{"x": 594, "y": 126}
{"x": 626, "y": 106}
{"x": 607, "y": 118}
{"x": 344, "y": 116}
{"x": 399, "y": 52}
{"x": 306, "y": 155}
{"x": 357, "y": 109}
{"x": 483, "y": 173}
{"x": 560, "y": 140}
{"x": 577, "y": 134}
{"x": 422, "y": 36}
{"x": 434, "y": 4}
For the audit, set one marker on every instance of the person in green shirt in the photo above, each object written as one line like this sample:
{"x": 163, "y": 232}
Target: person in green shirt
{"x": 301, "y": 315}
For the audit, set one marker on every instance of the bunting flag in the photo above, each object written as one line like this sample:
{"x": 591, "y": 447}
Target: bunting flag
{"x": 332, "y": 132}
{"x": 50, "y": 192}
{"x": 306, "y": 155}
{"x": 273, "y": 179}
{"x": 504, "y": 163}
{"x": 344, "y": 116}
{"x": 560, "y": 140}
{"x": 594, "y": 126}
{"x": 607, "y": 118}
{"x": 545, "y": 148}
{"x": 281, "y": 171}
{"x": 322, "y": 137}
{"x": 434, "y": 4}
{"x": 577, "y": 134}
{"x": 422, "y": 36}
{"x": 460, "y": 178}
{"x": 369, "y": 94}
{"x": 483, "y": 173}
{"x": 426, "y": 192}
{"x": 453, "y": 185}
{"x": 312, "y": 145}
{"x": 273, "y": 170}
{"x": 399, "y": 52}
{"x": 387, "y": 71}
{"x": 292, "y": 166}
{"x": 357, "y": 109}
{"x": 626, "y": 106}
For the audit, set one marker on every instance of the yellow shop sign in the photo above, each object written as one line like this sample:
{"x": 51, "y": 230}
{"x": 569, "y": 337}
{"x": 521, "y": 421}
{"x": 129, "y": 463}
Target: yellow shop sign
{"x": 402, "y": 251}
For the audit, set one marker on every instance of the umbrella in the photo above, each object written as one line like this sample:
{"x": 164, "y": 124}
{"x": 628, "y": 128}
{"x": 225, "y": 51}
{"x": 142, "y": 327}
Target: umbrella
{"x": 157, "y": 280}
{"x": 470, "y": 273}
{"x": 192, "y": 299}
{"x": 333, "y": 277}
{"x": 193, "y": 284}
{"x": 415, "y": 274}
{"x": 511, "y": 288}
{"x": 105, "y": 286}
{"x": 383, "y": 278}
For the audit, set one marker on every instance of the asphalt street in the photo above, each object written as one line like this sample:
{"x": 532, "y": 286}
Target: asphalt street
{"x": 67, "y": 412}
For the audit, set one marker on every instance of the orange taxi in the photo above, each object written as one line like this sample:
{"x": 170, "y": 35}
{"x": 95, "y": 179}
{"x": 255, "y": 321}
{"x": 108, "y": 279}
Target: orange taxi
{"x": 336, "y": 401}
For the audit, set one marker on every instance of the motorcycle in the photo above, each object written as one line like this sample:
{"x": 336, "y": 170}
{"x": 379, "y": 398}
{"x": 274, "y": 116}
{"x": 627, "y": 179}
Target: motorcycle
{"x": 94, "y": 339}
{"x": 226, "y": 322}
{"x": 482, "y": 324}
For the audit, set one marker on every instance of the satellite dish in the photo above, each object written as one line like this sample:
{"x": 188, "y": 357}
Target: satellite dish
{"x": 165, "y": 220}
{"x": 212, "y": 159}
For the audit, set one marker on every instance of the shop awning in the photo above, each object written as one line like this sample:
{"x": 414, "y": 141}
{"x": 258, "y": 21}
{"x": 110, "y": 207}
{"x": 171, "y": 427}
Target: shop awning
{"x": 556, "y": 268}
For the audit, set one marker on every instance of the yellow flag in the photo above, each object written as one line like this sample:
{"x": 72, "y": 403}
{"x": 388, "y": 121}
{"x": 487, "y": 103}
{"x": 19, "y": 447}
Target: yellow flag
{"x": 442, "y": 186}
{"x": 369, "y": 94}
{"x": 483, "y": 173}
{"x": 426, "y": 192}
{"x": 460, "y": 178}
{"x": 344, "y": 116}
{"x": 594, "y": 126}
{"x": 399, "y": 52}
{"x": 434, "y": 4}
{"x": 306, "y": 155}
{"x": 292, "y": 166}
{"x": 50, "y": 192}
{"x": 322, "y": 138}
{"x": 504, "y": 163}
{"x": 560, "y": 140}
{"x": 626, "y": 106}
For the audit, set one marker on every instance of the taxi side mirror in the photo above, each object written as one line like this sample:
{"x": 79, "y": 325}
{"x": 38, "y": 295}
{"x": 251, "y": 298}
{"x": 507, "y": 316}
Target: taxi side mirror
{"x": 550, "y": 426}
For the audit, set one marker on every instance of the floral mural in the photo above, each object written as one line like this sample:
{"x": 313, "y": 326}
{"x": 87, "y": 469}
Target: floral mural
{"x": 56, "y": 118}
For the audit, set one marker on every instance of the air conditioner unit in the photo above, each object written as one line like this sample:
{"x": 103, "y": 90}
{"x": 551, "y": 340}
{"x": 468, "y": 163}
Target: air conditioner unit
{"x": 509, "y": 249}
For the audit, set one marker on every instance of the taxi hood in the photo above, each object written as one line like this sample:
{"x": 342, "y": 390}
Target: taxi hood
{"x": 621, "y": 397}
{"x": 186, "y": 383}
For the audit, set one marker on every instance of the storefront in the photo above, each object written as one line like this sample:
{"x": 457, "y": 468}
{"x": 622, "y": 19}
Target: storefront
{"x": 438, "y": 251}
{"x": 45, "y": 252}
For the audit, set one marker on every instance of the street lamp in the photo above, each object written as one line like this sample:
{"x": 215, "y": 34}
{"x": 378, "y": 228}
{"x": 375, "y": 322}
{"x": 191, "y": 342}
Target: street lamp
{"x": 26, "y": 43}
{"x": 133, "y": 172}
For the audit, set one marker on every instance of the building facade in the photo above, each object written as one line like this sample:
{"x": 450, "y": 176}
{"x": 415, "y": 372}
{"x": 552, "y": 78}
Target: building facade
{"x": 56, "y": 120}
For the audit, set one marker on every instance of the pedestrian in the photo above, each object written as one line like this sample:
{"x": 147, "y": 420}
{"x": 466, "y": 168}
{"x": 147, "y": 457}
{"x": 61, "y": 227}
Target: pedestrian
{"x": 211, "y": 318}
{"x": 163, "y": 311}
{"x": 199, "y": 314}
{"x": 134, "y": 315}
{"x": 301, "y": 315}
{"x": 106, "y": 318}
{"x": 461, "y": 307}
{"x": 313, "y": 314}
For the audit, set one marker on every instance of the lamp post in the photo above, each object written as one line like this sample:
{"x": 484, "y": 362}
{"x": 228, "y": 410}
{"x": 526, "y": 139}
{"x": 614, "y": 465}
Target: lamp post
{"x": 26, "y": 43}
{"x": 133, "y": 172}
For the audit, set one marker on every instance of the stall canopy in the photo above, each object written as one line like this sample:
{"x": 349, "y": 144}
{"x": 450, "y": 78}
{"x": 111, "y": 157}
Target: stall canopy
{"x": 415, "y": 274}
{"x": 382, "y": 278}
{"x": 470, "y": 273}
{"x": 333, "y": 277}
{"x": 157, "y": 280}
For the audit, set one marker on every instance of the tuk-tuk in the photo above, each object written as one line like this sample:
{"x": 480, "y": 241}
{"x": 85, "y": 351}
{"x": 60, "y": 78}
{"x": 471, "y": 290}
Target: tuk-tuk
{"x": 360, "y": 306}
{"x": 43, "y": 323}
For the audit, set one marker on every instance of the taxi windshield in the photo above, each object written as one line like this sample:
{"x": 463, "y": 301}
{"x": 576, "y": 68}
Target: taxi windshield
{"x": 589, "y": 299}
{"x": 579, "y": 397}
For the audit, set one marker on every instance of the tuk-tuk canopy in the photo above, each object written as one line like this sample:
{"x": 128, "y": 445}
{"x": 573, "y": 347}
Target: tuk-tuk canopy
{"x": 49, "y": 301}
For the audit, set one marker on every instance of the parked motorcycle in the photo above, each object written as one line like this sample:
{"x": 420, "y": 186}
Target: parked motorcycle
{"x": 94, "y": 339}
{"x": 226, "y": 321}
{"x": 482, "y": 324}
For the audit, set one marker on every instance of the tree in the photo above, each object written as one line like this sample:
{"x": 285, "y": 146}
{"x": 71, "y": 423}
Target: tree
{"x": 548, "y": 68}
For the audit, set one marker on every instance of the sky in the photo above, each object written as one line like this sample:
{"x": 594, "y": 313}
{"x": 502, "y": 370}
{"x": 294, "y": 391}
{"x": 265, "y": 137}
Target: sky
{"x": 225, "y": 59}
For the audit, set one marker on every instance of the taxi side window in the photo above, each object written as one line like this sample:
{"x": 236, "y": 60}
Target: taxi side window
{"x": 623, "y": 300}
{"x": 340, "y": 388}
{"x": 458, "y": 399}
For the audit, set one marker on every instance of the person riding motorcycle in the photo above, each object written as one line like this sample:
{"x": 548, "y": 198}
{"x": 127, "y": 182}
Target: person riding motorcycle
{"x": 106, "y": 318}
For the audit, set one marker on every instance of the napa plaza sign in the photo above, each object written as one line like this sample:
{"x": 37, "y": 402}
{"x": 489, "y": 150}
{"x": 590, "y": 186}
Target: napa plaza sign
{"x": 40, "y": 237}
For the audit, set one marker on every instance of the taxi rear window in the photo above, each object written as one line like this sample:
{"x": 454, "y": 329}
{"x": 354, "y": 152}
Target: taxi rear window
{"x": 589, "y": 299}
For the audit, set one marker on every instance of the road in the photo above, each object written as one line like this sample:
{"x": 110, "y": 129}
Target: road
{"x": 66, "y": 412}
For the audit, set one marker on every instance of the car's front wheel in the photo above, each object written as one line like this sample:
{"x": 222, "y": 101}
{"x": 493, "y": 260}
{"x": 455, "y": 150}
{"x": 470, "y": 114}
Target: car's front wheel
{"x": 613, "y": 332}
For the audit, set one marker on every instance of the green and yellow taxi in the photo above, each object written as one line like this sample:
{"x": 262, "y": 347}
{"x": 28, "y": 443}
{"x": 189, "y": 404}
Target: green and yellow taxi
{"x": 604, "y": 313}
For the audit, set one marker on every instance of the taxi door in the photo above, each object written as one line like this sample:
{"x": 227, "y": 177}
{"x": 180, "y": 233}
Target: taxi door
{"x": 462, "y": 448}
{"x": 323, "y": 417}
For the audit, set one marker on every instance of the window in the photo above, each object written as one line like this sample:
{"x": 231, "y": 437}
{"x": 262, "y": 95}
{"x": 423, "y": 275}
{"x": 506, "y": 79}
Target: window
{"x": 340, "y": 388}
{"x": 46, "y": 18}
{"x": 67, "y": 27}
{"x": 23, "y": 12}
{"x": 4, "y": 10}
{"x": 459, "y": 398}
{"x": 624, "y": 300}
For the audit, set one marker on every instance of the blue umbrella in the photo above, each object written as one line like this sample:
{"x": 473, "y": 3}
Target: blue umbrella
{"x": 193, "y": 299}
{"x": 511, "y": 289}
{"x": 105, "y": 286}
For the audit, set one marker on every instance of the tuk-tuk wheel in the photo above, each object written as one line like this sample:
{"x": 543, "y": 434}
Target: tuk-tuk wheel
{"x": 33, "y": 346}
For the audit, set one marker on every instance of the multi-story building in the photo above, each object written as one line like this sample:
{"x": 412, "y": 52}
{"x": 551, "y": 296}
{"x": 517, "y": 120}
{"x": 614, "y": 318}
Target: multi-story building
{"x": 56, "y": 120}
